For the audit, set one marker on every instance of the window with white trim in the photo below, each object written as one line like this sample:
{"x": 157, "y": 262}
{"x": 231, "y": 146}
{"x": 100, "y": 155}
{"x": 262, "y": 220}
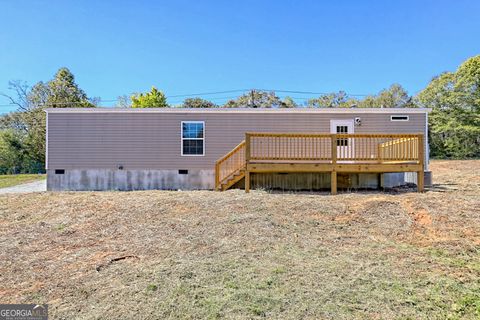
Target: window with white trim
{"x": 193, "y": 138}
{"x": 398, "y": 118}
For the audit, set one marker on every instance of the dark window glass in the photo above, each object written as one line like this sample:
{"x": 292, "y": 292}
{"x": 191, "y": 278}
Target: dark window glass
{"x": 342, "y": 142}
{"x": 192, "y": 138}
{"x": 194, "y": 147}
{"x": 399, "y": 118}
{"x": 192, "y": 130}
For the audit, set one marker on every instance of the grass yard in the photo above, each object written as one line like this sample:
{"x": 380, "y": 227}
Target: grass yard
{"x": 195, "y": 255}
{"x": 11, "y": 180}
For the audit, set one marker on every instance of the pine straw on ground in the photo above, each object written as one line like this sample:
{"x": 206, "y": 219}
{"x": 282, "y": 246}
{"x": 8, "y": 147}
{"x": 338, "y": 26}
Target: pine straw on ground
{"x": 191, "y": 255}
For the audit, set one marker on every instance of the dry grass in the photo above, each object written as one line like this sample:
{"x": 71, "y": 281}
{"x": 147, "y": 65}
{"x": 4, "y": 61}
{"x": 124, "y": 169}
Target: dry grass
{"x": 205, "y": 254}
{"x": 10, "y": 180}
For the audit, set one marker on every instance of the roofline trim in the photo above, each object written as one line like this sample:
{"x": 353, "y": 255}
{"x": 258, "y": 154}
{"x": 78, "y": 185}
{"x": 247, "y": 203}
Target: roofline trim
{"x": 238, "y": 110}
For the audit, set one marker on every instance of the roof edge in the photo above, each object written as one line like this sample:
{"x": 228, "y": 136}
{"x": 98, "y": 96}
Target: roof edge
{"x": 238, "y": 110}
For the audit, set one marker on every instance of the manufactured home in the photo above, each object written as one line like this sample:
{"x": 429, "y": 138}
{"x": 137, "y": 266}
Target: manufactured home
{"x": 289, "y": 149}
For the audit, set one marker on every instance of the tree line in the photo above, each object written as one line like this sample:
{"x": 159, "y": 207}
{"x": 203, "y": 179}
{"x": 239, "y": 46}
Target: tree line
{"x": 454, "y": 123}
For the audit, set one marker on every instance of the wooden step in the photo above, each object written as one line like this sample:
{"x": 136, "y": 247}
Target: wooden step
{"x": 234, "y": 178}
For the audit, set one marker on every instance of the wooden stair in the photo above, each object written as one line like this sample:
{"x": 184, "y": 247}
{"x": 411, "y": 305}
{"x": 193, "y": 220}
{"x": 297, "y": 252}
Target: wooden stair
{"x": 230, "y": 168}
{"x": 232, "y": 179}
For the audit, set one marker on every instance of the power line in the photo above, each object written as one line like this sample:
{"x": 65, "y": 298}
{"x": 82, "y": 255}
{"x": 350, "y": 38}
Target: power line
{"x": 201, "y": 94}
{"x": 211, "y": 99}
{"x": 60, "y": 103}
{"x": 267, "y": 90}
{"x": 316, "y": 93}
{"x": 207, "y": 93}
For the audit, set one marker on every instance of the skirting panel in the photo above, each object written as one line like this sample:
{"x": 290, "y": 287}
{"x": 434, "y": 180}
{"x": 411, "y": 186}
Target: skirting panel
{"x": 312, "y": 181}
{"x": 321, "y": 181}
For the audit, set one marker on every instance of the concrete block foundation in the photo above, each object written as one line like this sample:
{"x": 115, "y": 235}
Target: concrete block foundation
{"x": 411, "y": 177}
{"x": 391, "y": 180}
{"x": 127, "y": 180}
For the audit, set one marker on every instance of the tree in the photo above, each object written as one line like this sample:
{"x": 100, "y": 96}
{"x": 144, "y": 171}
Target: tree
{"x": 330, "y": 100}
{"x": 393, "y": 97}
{"x": 467, "y": 84}
{"x": 256, "y": 99}
{"x": 63, "y": 92}
{"x": 20, "y": 96}
{"x": 13, "y": 121}
{"x": 198, "y": 103}
{"x": 152, "y": 99}
{"x": 334, "y": 100}
{"x": 288, "y": 102}
{"x": 12, "y": 152}
{"x": 28, "y": 124}
{"x": 455, "y": 118}
{"x": 60, "y": 92}
{"x": 123, "y": 102}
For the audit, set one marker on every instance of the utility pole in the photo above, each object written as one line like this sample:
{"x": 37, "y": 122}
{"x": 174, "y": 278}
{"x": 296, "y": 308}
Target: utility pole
{"x": 252, "y": 99}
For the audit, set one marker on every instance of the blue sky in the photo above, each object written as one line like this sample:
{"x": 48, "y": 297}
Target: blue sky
{"x": 181, "y": 47}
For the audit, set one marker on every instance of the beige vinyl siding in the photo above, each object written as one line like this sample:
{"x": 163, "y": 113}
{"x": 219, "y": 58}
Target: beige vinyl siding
{"x": 153, "y": 140}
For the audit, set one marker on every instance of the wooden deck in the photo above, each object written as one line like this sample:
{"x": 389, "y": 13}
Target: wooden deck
{"x": 322, "y": 152}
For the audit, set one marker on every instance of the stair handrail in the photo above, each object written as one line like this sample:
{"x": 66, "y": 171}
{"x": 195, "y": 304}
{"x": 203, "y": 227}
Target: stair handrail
{"x": 230, "y": 163}
{"x": 403, "y": 148}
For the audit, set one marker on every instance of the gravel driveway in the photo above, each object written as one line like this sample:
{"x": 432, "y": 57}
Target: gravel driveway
{"x": 36, "y": 186}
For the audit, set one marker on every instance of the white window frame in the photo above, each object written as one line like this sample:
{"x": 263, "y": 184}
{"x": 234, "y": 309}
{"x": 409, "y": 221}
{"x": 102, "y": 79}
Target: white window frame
{"x": 182, "y": 138}
{"x": 399, "y": 115}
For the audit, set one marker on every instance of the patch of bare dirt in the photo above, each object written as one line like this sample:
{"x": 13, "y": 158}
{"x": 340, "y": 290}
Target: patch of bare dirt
{"x": 159, "y": 254}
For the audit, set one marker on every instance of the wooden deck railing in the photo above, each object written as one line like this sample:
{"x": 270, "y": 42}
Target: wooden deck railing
{"x": 323, "y": 147}
{"x": 229, "y": 164}
{"x": 322, "y": 152}
{"x": 399, "y": 149}
{"x": 289, "y": 146}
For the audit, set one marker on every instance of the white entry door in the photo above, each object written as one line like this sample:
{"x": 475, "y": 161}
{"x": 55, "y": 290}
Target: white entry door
{"x": 345, "y": 147}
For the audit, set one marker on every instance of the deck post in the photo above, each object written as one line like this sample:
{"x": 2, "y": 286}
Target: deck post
{"x": 217, "y": 176}
{"x": 247, "y": 161}
{"x": 333, "y": 182}
{"x": 333, "y": 176}
{"x": 247, "y": 181}
{"x": 420, "y": 181}
{"x": 334, "y": 149}
{"x": 421, "y": 160}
